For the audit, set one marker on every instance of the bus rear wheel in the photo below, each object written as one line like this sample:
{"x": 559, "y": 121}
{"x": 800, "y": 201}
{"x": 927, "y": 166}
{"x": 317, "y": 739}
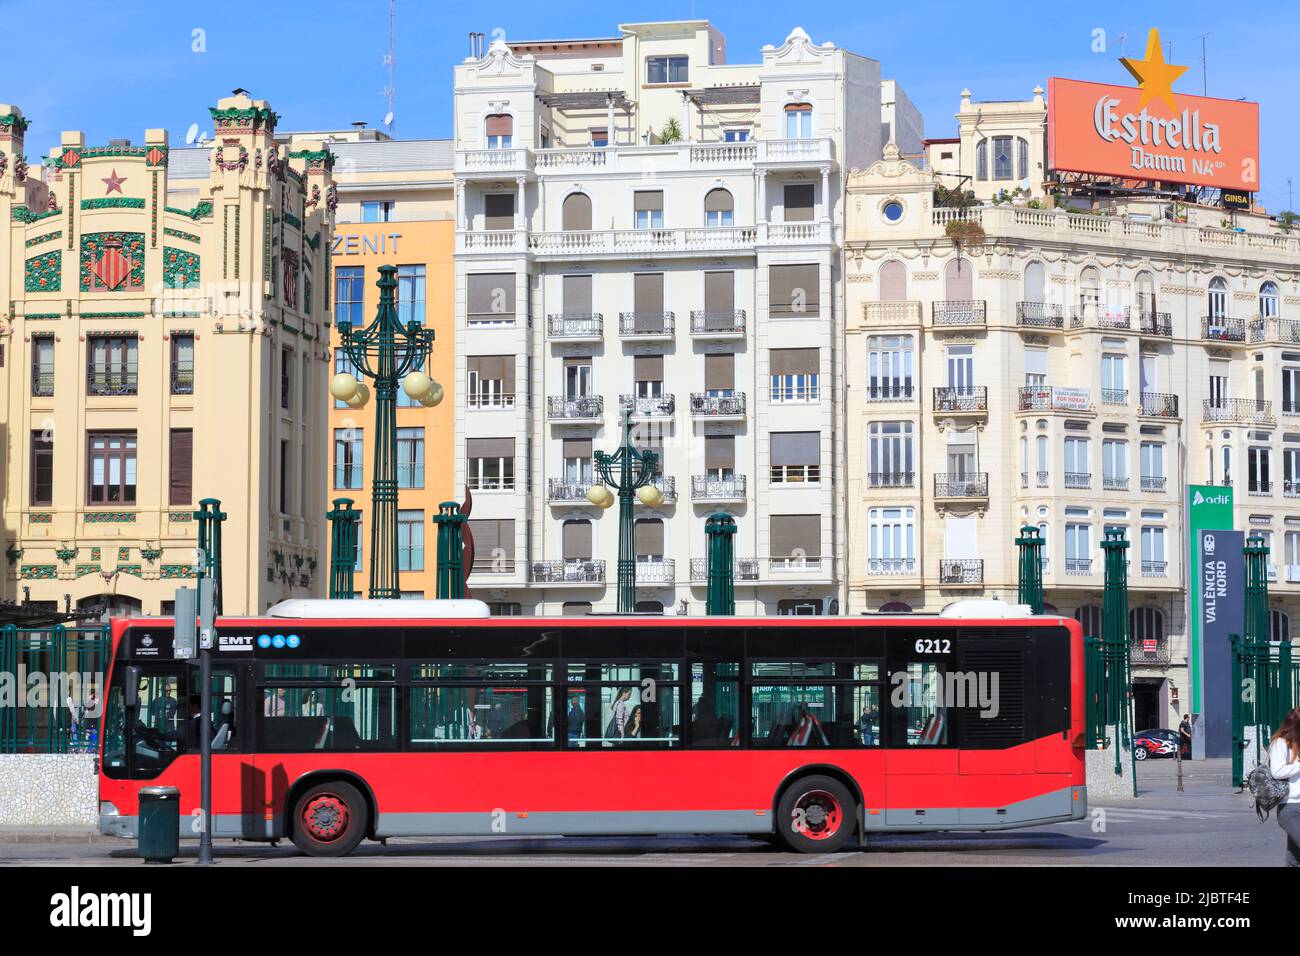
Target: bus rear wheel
{"x": 329, "y": 819}
{"x": 816, "y": 815}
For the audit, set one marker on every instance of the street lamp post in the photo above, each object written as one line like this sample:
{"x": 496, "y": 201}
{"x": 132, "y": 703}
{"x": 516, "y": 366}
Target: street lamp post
{"x": 721, "y": 599}
{"x": 344, "y": 521}
{"x": 630, "y": 471}
{"x": 450, "y": 582}
{"x": 389, "y": 353}
{"x": 1030, "y": 588}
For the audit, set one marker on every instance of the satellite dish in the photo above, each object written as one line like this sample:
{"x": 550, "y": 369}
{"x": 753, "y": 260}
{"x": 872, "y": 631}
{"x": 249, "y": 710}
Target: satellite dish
{"x": 388, "y": 118}
{"x": 191, "y": 134}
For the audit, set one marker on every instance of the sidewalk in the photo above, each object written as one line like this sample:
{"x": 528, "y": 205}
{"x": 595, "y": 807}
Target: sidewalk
{"x": 15, "y": 835}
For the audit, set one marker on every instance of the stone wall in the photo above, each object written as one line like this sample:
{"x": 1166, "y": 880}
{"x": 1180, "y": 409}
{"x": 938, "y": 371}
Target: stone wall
{"x": 48, "y": 790}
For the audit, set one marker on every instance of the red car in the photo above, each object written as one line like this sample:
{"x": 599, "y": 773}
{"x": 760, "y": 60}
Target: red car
{"x": 1155, "y": 743}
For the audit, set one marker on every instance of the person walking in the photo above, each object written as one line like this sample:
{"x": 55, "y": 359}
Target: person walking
{"x": 1284, "y": 764}
{"x": 1185, "y": 737}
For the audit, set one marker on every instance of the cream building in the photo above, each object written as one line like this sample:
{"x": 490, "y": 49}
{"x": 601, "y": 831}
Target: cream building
{"x": 1068, "y": 370}
{"x": 642, "y": 225}
{"x": 164, "y": 340}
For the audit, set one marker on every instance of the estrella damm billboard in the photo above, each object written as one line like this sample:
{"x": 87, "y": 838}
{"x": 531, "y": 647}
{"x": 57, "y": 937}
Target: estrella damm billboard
{"x": 1149, "y": 132}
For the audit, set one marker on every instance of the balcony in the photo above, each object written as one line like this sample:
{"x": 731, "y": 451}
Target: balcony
{"x": 568, "y": 572}
{"x": 576, "y": 328}
{"x": 797, "y": 567}
{"x": 890, "y": 392}
{"x": 1155, "y": 569}
{"x": 1114, "y": 396}
{"x": 42, "y": 383}
{"x": 1154, "y": 323}
{"x": 794, "y": 233}
{"x": 1092, "y": 315}
{"x": 970, "y": 485}
{"x": 490, "y": 400}
{"x": 1158, "y": 405}
{"x": 1259, "y": 489}
{"x": 491, "y": 242}
{"x": 646, "y": 325}
{"x": 1242, "y": 411}
{"x": 1039, "y": 315}
{"x": 970, "y": 400}
{"x": 182, "y": 379}
{"x": 718, "y": 407}
{"x": 811, "y": 151}
{"x": 891, "y": 479}
{"x": 958, "y": 313}
{"x": 1221, "y": 329}
{"x": 630, "y": 243}
{"x": 961, "y": 571}
{"x": 1151, "y": 651}
{"x": 667, "y": 486}
{"x": 1153, "y": 484}
{"x": 742, "y": 570}
{"x": 900, "y": 566}
{"x": 1078, "y": 479}
{"x": 110, "y": 381}
{"x": 1078, "y": 566}
{"x": 718, "y": 325}
{"x": 661, "y": 573}
{"x": 1053, "y": 398}
{"x": 493, "y": 565}
{"x": 585, "y": 409}
{"x": 1044, "y": 479}
{"x": 900, "y": 312}
{"x": 560, "y": 491}
{"x": 648, "y": 406}
{"x": 1114, "y": 483}
{"x": 493, "y": 162}
{"x": 708, "y": 488}
{"x": 1291, "y": 488}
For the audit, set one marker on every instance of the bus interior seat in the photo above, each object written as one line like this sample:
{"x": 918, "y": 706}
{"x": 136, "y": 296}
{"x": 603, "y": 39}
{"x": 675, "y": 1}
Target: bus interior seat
{"x": 343, "y": 734}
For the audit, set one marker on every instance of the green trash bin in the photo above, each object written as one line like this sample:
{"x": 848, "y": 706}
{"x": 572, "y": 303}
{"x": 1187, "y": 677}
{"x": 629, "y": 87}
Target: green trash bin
{"x": 159, "y": 834}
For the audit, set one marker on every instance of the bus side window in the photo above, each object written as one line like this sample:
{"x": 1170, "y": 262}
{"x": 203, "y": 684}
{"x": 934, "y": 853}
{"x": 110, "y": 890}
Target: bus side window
{"x": 918, "y": 712}
{"x": 715, "y": 704}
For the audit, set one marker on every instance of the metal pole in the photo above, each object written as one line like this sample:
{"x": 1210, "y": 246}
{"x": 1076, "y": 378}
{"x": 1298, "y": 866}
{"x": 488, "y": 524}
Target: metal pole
{"x": 450, "y": 581}
{"x": 719, "y": 529}
{"x": 636, "y": 469}
{"x": 1030, "y": 589}
{"x": 343, "y": 519}
{"x": 207, "y": 637}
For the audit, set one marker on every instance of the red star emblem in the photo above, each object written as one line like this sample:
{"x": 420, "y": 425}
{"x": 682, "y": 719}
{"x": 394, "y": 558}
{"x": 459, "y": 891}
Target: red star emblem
{"x": 114, "y": 183}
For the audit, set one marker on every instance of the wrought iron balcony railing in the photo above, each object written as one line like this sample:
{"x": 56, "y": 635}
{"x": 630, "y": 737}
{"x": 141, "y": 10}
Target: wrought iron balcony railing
{"x": 1114, "y": 482}
{"x": 890, "y": 392}
{"x": 891, "y": 479}
{"x": 1158, "y": 404}
{"x": 1222, "y": 329}
{"x": 718, "y": 323}
{"x": 183, "y": 379}
{"x": 1114, "y": 396}
{"x": 961, "y": 571}
{"x": 111, "y": 381}
{"x": 1259, "y": 488}
{"x": 42, "y": 382}
{"x": 667, "y": 486}
{"x": 1039, "y": 315}
{"x": 1249, "y": 411}
{"x": 704, "y": 405}
{"x": 891, "y": 565}
{"x": 1154, "y": 483}
{"x": 590, "y": 326}
{"x": 971, "y": 398}
{"x": 1078, "y": 479}
{"x": 1155, "y": 569}
{"x": 584, "y": 407}
{"x": 958, "y": 312}
{"x": 648, "y": 406}
{"x": 744, "y": 569}
{"x": 1155, "y": 323}
{"x": 708, "y": 488}
{"x": 568, "y": 572}
{"x": 663, "y": 571}
{"x": 561, "y": 490}
{"x": 1154, "y": 652}
{"x": 973, "y": 484}
{"x": 645, "y": 324}
{"x": 1078, "y": 565}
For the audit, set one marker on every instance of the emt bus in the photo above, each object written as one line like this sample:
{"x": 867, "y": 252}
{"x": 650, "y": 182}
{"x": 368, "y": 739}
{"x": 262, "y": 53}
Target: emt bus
{"x": 338, "y": 721}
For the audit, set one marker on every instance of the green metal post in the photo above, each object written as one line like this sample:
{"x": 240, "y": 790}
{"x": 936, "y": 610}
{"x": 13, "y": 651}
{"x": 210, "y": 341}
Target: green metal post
{"x": 345, "y": 522}
{"x": 1263, "y": 676}
{"x": 721, "y": 598}
{"x": 210, "y": 516}
{"x": 635, "y": 470}
{"x": 451, "y": 569}
{"x": 386, "y": 352}
{"x": 1030, "y": 590}
{"x": 1115, "y": 642}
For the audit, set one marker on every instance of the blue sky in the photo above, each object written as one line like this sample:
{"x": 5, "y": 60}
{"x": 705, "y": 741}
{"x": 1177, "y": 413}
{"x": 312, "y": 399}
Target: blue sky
{"x": 113, "y": 68}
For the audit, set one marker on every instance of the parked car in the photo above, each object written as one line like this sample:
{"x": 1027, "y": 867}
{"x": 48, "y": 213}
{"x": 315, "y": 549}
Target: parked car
{"x": 1155, "y": 743}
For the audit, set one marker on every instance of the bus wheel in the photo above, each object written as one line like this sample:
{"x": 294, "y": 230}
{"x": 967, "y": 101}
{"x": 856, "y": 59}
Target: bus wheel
{"x": 329, "y": 819}
{"x": 816, "y": 815}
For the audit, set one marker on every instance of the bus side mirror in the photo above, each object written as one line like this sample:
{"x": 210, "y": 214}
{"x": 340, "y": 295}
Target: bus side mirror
{"x": 131, "y": 686}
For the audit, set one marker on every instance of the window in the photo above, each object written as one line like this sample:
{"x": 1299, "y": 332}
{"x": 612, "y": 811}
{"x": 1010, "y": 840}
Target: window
{"x": 42, "y": 475}
{"x": 648, "y": 209}
{"x": 1279, "y": 625}
{"x": 1114, "y": 379}
{"x": 666, "y": 69}
{"x": 348, "y": 445}
{"x": 340, "y": 716}
{"x": 796, "y": 541}
{"x": 1035, "y": 367}
{"x": 42, "y": 366}
{"x": 1077, "y": 472}
{"x": 182, "y": 363}
{"x": 889, "y": 368}
{"x": 1154, "y": 563}
{"x": 343, "y": 363}
{"x": 1022, "y": 157}
{"x": 719, "y": 304}
{"x": 575, "y": 215}
{"x": 718, "y": 208}
{"x": 893, "y": 281}
{"x": 286, "y": 361}
{"x": 577, "y": 467}
{"x": 798, "y": 202}
{"x": 513, "y": 714}
{"x": 491, "y": 463}
{"x": 575, "y": 536}
{"x": 798, "y": 121}
{"x": 1291, "y": 472}
{"x": 891, "y": 540}
{"x": 113, "y": 364}
{"x": 410, "y": 294}
{"x": 1146, "y": 624}
{"x": 111, "y": 466}
{"x": 410, "y": 540}
{"x": 180, "y": 466}
{"x": 1145, "y": 293}
{"x": 284, "y": 477}
{"x": 794, "y": 290}
{"x": 1259, "y": 471}
{"x": 1003, "y": 164}
{"x": 795, "y": 375}
{"x": 815, "y": 705}
{"x": 1153, "y": 466}
{"x": 1078, "y": 548}
{"x": 889, "y": 455}
{"x": 1291, "y": 389}
{"x": 1090, "y": 617}
{"x": 893, "y": 211}
{"x": 1043, "y": 459}
{"x": 719, "y": 460}
{"x": 796, "y": 457}
{"x": 377, "y": 211}
{"x": 577, "y": 377}
{"x": 736, "y": 134}
{"x": 490, "y": 298}
{"x": 961, "y": 369}
{"x": 648, "y": 315}
{"x": 349, "y": 295}
{"x": 1268, "y": 300}
{"x": 982, "y": 160}
{"x": 498, "y": 130}
{"x": 648, "y": 376}
{"x": 922, "y": 720}
{"x": 648, "y": 540}
{"x": 1114, "y": 464}
{"x": 1292, "y": 554}
{"x": 720, "y": 374}
{"x": 499, "y": 211}
{"x": 599, "y": 137}
{"x": 410, "y": 457}
{"x": 1218, "y": 299}
{"x": 491, "y": 381}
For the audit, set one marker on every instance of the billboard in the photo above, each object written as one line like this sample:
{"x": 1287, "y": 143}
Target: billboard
{"x": 1222, "y": 588}
{"x": 1209, "y": 507}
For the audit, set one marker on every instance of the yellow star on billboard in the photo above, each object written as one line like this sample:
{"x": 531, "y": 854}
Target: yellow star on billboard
{"x": 1154, "y": 75}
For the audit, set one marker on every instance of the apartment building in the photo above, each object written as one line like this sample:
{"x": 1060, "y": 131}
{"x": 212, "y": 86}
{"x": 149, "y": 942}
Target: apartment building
{"x": 645, "y": 228}
{"x": 163, "y": 342}
{"x": 1064, "y": 368}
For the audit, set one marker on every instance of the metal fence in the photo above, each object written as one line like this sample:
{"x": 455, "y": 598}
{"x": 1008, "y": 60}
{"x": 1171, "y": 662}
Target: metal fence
{"x": 52, "y": 688}
{"x": 1266, "y": 679}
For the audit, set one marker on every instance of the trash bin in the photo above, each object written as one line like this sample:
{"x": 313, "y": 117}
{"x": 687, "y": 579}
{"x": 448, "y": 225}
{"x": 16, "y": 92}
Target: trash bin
{"x": 160, "y": 824}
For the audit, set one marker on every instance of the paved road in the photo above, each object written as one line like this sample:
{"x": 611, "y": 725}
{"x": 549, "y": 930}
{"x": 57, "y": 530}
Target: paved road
{"x": 1207, "y": 825}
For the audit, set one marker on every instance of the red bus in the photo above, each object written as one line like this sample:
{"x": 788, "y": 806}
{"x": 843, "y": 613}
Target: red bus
{"x": 338, "y": 721}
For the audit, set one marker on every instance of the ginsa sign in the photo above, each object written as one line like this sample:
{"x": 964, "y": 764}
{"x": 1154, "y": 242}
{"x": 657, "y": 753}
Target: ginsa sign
{"x": 1097, "y": 128}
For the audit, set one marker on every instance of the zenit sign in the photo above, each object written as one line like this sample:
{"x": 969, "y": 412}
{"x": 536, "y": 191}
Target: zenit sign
{"x": 1148, "y": 132}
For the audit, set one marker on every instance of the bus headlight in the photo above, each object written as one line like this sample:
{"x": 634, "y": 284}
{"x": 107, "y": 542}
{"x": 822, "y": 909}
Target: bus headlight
{"x": 108, "y": 809}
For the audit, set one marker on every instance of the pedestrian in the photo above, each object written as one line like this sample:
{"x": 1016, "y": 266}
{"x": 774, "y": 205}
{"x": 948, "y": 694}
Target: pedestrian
{"x": 1284, "y": 764}
{"x": 632, "y": 729}
{"x": 576, "y": 718}
{"x": 1185, "y": 737}
{"x": 618, "y": 718}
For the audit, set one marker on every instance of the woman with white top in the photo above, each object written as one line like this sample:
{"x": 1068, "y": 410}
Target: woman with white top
{"x": 1284, "y": 764}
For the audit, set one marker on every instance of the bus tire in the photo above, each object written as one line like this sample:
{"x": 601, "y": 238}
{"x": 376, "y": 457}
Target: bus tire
{"x": 816, "y": 814}
{"x": 329, "y": 819}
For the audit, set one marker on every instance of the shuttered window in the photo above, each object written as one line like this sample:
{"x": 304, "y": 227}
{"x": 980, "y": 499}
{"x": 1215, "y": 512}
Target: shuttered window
{"x": 180, "y": 483}
{"x": 577, "y": 295}
{"x": 799, "y": 202}
{"x": 794, "y": 290}
{"x": 796, "y": 457}
{"x": 720, "y": 453}
{"x": 491, "y": 298}
{"x": 494, "y": 544}
{"x": 649, "y": 538}
{"x": 720, "y": 295}
{"x": 576, "y": 214}
{"x": 795, "y": 536}
{"x": 577, "y": 540}
{"x": 719, "y": 373}
{"x": 499, "y": 211}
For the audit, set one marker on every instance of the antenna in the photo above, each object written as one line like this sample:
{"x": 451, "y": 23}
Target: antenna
{"x": 390, "y": 59}
{"x": 1121, "y": 38}
{"x": 1205, "y": 83}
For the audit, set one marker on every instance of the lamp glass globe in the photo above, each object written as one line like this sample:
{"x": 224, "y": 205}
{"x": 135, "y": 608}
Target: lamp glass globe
{"x": 343, "y": 386}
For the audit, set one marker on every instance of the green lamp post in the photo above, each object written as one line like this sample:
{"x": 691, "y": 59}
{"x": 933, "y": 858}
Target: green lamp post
{"x": 630, "y": 471}
{"x": 1030, "y": 589}
{"x": 389, "y": 353}
{"x": 210, "y": 516}
{"x": 450, "y": 580}
{"x": 1114, "y": 640}
{"x": 344, "y": 522}
{"x": 721, "y": 597}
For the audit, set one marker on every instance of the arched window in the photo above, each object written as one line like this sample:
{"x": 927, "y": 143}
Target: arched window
{"x": 1147, "y": 624}
{"x": 895, "y": 607}
{"x": 1227, "y": 465}
{"x": 1218, "y": 300}
{"x": 1022, "y": 157}
{"x": 1035, "y": 282}
{"x": 958, "y": 280}
{"x": 718, "y": 209}
{"x": 1090, "y": 617}
{"x": 499, "y": 128}
{"x": 1090, "y": 289}
{"x": 1279, "y": 625}
{"x": 1144, "y": 291}
{"x": 1268, "y": 300}
{"x": 798, "y": 121}
{"x": 982, "y": 159}
{"x": 893, "y": 281}
{"x": 576, "y": 215}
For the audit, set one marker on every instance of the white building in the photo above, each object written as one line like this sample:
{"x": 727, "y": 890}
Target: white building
{"x": 641, "y": 224}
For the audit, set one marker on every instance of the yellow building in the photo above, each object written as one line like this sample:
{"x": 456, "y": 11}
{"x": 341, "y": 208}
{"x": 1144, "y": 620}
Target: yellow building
{"x": 162, "y": 342}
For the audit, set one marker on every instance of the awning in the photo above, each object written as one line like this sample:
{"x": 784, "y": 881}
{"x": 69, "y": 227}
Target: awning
{"x": 585, "y": 100}
{"x": 724, "y": 95}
